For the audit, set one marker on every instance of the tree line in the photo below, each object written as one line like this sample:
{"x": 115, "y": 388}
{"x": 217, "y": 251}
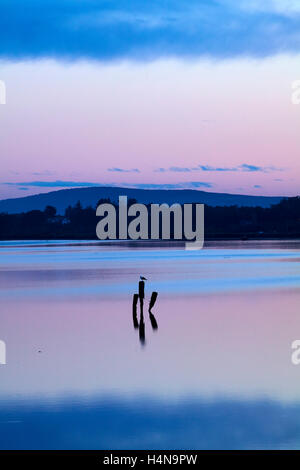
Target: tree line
{"x": 279, "y": 220}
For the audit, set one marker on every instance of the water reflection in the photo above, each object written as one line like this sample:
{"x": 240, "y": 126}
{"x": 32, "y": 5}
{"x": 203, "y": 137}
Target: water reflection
{"x": 218, "y": 375}
{"x": 140, "y": 324}
{"x": 144, "y": 423}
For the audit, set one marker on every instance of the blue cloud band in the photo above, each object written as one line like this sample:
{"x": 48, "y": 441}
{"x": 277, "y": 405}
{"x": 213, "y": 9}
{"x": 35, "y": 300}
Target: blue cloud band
{"x": 244, "y": 167}
{"x": 80, "y": 184}
{"x": 107, "y": 30}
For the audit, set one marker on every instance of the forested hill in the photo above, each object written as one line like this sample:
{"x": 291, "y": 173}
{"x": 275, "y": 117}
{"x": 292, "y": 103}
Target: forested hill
{"x": 89, "y": 196}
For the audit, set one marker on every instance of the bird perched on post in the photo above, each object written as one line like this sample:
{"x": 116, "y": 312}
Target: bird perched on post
{"x": 143, "y": 278}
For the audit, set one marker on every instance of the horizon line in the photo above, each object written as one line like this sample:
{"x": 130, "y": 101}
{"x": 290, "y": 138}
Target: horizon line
{"x": 158, "y": 188}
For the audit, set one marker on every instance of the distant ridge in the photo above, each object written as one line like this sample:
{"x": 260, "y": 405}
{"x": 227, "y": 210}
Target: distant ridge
{"x": 63, "y": 198}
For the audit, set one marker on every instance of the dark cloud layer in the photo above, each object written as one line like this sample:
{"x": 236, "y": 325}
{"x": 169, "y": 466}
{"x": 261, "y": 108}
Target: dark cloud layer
{"x": 123, "y": 170}
{"x": 52, "y": 184}
{"x": 73, "y": 184}
{"x": 106, "y": 30}
{"x": 244, "y": 167}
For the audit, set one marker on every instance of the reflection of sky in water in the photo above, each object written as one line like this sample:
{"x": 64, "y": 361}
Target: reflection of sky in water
{"x": 148, "y": 424}
{"x": 94, "y": 270}
{"x": 217, "y": 373}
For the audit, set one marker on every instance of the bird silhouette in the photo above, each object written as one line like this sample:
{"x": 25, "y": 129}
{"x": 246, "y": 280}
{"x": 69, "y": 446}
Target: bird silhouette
{"x": 143, "y": 278}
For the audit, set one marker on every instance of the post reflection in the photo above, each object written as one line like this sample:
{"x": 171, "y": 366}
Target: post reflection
{"x": 139, "y": 324}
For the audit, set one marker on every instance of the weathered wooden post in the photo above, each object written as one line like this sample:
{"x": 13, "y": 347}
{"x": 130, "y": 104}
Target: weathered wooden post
{"x": 153, "y": 300}
{"x": 134, "y": 312}
{"x": 142, "y": 289}
{"x": 135, "y": 301}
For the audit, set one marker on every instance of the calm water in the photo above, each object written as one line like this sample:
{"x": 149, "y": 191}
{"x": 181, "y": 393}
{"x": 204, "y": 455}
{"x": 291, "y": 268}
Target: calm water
{"x": 216, "y": 373}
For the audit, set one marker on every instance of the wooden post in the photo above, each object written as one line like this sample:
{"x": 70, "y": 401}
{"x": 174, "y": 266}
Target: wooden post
{"x": 135, "y": 301}
{"x": 134, "y": 313}
{"x": 142, "y": 290}
{"x": 153, "y": 300}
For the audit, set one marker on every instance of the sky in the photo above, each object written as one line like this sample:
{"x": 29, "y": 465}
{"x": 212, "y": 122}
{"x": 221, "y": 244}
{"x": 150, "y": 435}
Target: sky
{"x": 150, "y": 95}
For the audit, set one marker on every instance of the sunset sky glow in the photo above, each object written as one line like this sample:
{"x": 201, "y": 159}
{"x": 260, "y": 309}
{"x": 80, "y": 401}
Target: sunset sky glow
{"x": 143, "y": 96}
